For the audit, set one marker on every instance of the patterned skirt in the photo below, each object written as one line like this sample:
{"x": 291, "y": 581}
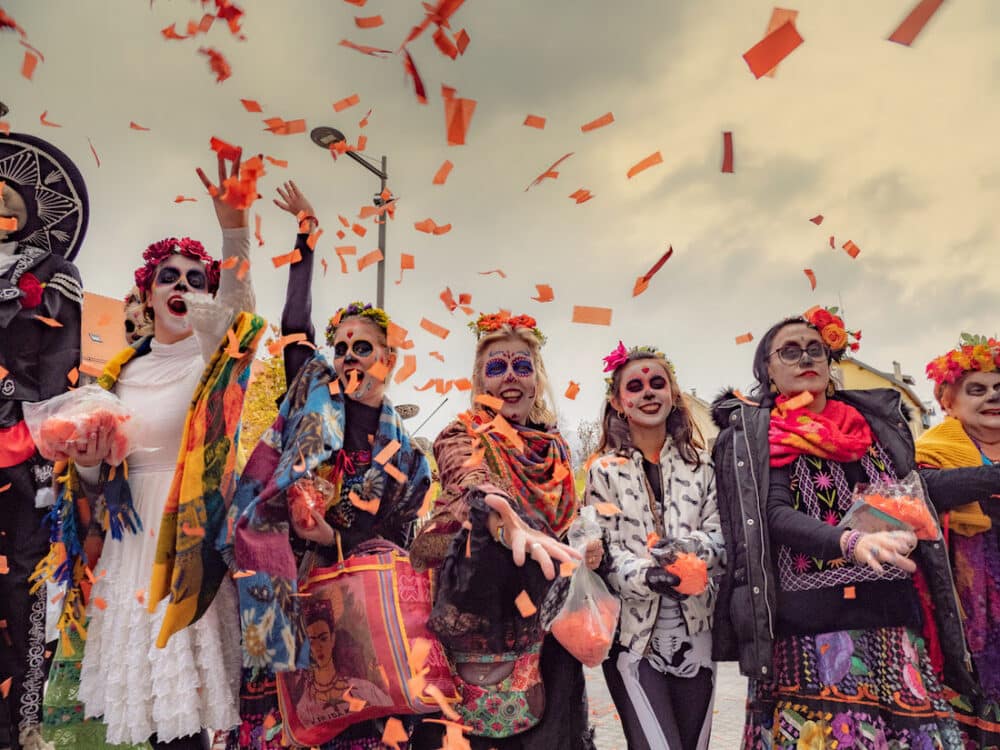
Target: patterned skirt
{"x": 851, "y": 690}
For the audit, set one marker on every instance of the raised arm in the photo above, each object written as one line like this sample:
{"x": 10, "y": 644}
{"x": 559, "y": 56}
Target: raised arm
{"x": 296, "y": 316}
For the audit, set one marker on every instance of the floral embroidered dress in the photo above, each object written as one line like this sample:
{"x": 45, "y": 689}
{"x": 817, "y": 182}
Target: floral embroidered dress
{"x": 850, "y": 668}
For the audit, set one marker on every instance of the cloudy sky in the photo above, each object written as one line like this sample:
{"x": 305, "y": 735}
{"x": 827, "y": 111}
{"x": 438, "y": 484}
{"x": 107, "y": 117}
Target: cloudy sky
{"x": 896, "y": 146}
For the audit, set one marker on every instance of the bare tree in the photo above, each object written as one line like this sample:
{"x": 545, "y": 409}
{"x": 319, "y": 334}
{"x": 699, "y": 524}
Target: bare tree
{"x": 588, "y": 434}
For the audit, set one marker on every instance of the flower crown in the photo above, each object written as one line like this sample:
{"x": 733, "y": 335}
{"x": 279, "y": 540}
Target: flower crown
{"x": 620, "y": 356}
{"x": 488, "y": 323}
{"x": 974, "y": 353}
{"x": 158, "y": 252}
{"x": 357, "y": 310}
{"x": 832, "y": 331}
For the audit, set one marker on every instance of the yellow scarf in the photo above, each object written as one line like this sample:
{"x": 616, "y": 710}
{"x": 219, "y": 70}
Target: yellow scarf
{"x": 948, "y": 446}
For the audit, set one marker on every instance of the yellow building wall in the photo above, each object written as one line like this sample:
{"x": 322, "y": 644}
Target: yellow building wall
{"x": 856, "y": 378}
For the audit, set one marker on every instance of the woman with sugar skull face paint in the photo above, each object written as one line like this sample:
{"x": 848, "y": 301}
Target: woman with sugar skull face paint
{"x": 507, "y": 496}
{"x": 165, "y": 671}
{"x": 652, "y": 466}
{"x": 967, "y": 386}
{"x": 333, "y": 420}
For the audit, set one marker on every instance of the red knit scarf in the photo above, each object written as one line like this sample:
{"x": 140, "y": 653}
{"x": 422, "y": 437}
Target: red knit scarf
{"x": 838, "y": 433}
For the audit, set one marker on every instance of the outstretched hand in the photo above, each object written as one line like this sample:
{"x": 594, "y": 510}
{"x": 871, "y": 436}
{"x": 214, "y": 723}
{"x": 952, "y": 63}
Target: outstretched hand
{"x": 525, "y": 541}
{"x": 892, "y": 547}
{"x": 294, "y": 202}
{"x": 229, "y": 217}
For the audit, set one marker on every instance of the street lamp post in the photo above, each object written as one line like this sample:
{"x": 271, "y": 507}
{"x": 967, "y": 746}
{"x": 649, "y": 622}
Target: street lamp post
{"x": 324, "y": 137}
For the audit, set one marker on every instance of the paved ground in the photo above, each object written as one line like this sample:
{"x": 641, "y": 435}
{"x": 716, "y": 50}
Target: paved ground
{"x": 727, "y": 722}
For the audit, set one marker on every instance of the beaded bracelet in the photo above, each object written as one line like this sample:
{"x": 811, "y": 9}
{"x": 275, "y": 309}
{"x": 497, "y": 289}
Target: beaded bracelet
{"x": 852, "y": 545}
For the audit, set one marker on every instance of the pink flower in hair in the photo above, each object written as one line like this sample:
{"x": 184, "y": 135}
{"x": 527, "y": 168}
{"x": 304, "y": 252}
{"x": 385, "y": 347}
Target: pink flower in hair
{"x": 618, "y": 357}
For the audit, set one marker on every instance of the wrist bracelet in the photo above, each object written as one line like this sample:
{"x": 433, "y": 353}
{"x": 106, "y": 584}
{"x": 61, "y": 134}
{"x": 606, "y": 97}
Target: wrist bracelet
{"x": 852, "y": 545}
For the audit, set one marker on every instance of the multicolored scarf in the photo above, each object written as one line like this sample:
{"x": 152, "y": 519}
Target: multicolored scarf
{"x": 308, "y": 432}
{"x": 948, "y": 446}
{"x": 838, "y": 433}
{"x": 186, "y": 568}
{"x": 540, "y": 475}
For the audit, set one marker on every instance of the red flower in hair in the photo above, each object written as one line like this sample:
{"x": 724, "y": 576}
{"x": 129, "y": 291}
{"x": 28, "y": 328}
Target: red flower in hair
{"x": 158, "y": 252}
{"x": 31, "y": 289}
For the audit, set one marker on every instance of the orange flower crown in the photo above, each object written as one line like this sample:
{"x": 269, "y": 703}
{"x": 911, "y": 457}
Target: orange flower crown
{"x": 832, "y": 330}
{"x": 973, "y": 354}
{"x": 490, "y": 322}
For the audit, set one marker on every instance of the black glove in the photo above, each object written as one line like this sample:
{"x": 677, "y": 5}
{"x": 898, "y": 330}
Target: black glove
{"x": 662, "y": 582}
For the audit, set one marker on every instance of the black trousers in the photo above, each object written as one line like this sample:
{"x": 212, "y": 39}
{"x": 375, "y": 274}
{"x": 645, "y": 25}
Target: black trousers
{"x": 24, "y": 541}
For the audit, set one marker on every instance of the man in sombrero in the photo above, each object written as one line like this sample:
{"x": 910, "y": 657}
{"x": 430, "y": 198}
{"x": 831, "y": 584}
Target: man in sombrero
{"x": 43, "y": 217}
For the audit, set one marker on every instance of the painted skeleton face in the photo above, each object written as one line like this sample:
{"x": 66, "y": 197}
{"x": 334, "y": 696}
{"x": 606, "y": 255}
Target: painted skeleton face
{"x": 975, "y": 402}
{"x": 357, "y": 345}
{"x": 508, "y": 373}
{"x": 644, "y": 395}
{"x": 175, "y": 277}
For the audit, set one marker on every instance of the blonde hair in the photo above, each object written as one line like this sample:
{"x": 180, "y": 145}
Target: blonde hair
{"x": 541, "y": 413}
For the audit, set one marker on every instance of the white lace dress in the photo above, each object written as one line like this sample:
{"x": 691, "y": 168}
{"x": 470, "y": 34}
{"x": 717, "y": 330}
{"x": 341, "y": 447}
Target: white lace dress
{"x": 193, "y": 683}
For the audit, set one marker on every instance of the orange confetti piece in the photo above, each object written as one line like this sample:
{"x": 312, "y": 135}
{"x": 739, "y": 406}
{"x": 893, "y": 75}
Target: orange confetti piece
{"x": 581, "y": 196}
{"x": 227, "y": 263}
{"x": 140, "y": 596}
{"x": 352, "y": 382}
{"x": 378, "y": 371}
{"x": 491, "y": 402}
{"x": 396, "y": 335}
{"x": 850, "y": 592}
{"x": 250, "y": 105}
{"x": 572, "y": 390}
{"x": 434, "y": 329}
{"x": 4, "y": 569}
{"x": 368, "y": 506}
{"x": 276, "y": 347}
{"x": 324, "y": 264}
{"x": 534, "y": 121}
{"x": 914, "y": 22}
{"x": 283, "y": 163}
{"x": 136, "y": 126}
{"x": 244, "y": 267}
{"x": 8, "y": 223}
{"x": 233, "y": 345}
{"x": 778, "y": 18}
{"x": 386, "y": 454}
{"x": 50, "y": 322}
{"x": 817, "y": 219}
{"x": 359, "y": 3}
{"x": 5, "y": 487}
{"x": 359, "y": 230}
{"x": 642, "y": 283}
{"x": 44, "y": 120}
{"x": 438, "y": 356}
{"x": 462, "y": 41}
{"x": 811, "y": 276}
{"x": 346, "y": 102}
{"x": 364, "y": 48}
{"x": 368, "y": 22}
{"x": 545, "y": 293}
{"x": 567, "y": 568}
{"x": 524, "y": 604}
{"x": 429, "y": 226}
{"x": 342, "y": 251}
{"x": 744, "y": 338}
{"x": 406, "y": 263}
{"x": 607, "y": 509}
{"x": 497, "y": 271}
{"x": 772, "y": 49}
{"x": 281, "y": 260}
{"x": 217, "y": 63}
{"x": 462, "y": 384}
{"x": 99, "y": 603}
{"x": 458, "y": 116}
{"x": 244, "y": 573}
{"x": 394, "y": 733}
{"x": 5, "y": 129}
{"x": 369, "y": 259}
{"x": 851, "y": 249}
{"x": 727, "y": 152}
{"x": 189, "y": 530}
{"x": 409, "y": 367}
{"x": 334, "y": 387}
{"x": 442, "y": 174}
{"x": 596, "y": 316}
{"x": 549, "y": 173}
{"x": 650, "y": 161}
{"x": 184, "y": 199}
{"x": 652, "y": 538}
{"x": 5, "y": 687}
{"x": 73, "y": 376}
{"x": 600, "y": 122}
{"x": 28, "y": 65}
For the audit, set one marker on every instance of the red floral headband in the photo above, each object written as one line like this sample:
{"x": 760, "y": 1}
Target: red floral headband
{"x": 158, "y": 252}
{"x": 488, "y": 323}
{"x": 832, "y": 331}
{"x": 973, "y": 354}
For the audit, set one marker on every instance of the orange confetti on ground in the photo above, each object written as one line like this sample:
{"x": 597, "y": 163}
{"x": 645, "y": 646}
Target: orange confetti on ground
{"x": 409, "y": 367}
{"x": 50, "y": 322}
{"x": 369, "y": 259}
{"x": 595, "y": 316}
{"x": 811, "y": 276}
{"x": 434, "y": 329}
{"x": 293, "y": 257}
{"x": 650, "y": 161}
{"x": 442, "y": 174}
{"x": 772, "y": 49}
{"x": 524, "y": 604}
{"x": 572, "y": 390}
{"x": 851, "y": 249}
{"x": 534, "y": 121}
{"x": 136, "y": 126}
{"x": 744, "y": 338}
{"x": 346, "y": 102}
{"x": 43, "y": 119}
{"x": 368, "y": 22}
{"x": 915, "y": 21}
{"x": 605, "y": 119}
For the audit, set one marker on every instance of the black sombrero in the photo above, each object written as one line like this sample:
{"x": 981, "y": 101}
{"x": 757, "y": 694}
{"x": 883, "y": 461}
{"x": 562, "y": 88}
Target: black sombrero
{"x": 53, "y": 191}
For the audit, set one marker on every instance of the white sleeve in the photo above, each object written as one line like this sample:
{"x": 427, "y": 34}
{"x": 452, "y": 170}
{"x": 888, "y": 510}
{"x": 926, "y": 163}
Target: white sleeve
{"x": 210, "y": 318}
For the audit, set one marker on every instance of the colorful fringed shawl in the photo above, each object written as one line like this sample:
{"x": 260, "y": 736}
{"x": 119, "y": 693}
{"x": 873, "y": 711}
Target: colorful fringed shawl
{"x": 308, "y": 432}
{"x": 212, "y": 426}
{"x": 838, "y": 433}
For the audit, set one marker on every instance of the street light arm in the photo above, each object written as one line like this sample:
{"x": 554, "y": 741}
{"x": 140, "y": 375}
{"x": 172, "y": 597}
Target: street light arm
{"x": 365, "y": 163}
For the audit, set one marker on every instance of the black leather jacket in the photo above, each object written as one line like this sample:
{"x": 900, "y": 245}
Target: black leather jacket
{"x": 745, "y": 614}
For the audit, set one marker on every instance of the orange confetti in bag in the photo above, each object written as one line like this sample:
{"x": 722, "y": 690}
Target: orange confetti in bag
{"x": 586, "y": 624}
{"x": 597, "y": 316}
{"x": 650, "y": 161}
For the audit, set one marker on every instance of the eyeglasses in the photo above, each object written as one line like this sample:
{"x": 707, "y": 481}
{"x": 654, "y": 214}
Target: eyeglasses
{"x": 498, "y": 367}
{"x": 169, "y": 275}
{"x": 360, "y": 348}
{"x": 791, "y": 354}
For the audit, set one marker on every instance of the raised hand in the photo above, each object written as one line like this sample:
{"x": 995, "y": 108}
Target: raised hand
{"x": 229, "y": 217}
{"x": 294, "y": 202}
{"x": 524, "y": 540}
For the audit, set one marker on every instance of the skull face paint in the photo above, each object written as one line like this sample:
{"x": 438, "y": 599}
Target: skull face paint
{"x": 644, "y": 395}
{"x": 357, "y": 345}
{"x": 975, "y": 402}
{"x": 508, "y": 373}
{"x": 176, "y": 276}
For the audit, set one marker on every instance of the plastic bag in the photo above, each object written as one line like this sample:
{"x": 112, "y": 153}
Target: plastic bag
{"x": 681, "y": 559}
{"x": 585, "y": 626}
{"x": 890, "y": 506}
{"x": 310, "y": 493}
{"x": 74, "y": 416}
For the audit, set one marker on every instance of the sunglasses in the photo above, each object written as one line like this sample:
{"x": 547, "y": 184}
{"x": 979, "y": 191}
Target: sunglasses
{"x": 195, "y": 278}
{"x": 498, "y": 366}
{"x": 791, "y": 354}
{"x": 360, "y": 348}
